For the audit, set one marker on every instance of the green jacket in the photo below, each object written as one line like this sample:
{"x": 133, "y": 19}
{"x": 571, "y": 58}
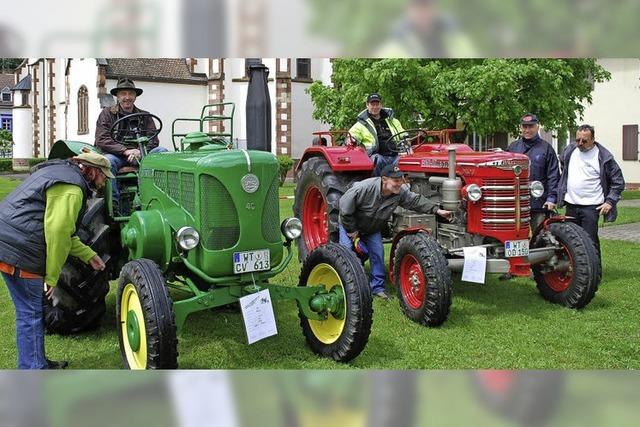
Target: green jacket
{"x": 64, "y": 202}
{"x": 365, "y": 131}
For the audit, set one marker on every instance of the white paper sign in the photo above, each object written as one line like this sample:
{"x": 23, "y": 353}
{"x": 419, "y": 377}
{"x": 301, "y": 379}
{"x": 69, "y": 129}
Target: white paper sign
{"x": 197, "y": 396}
{"x": 475, "y": 264}
{"x": 257, "y": 311}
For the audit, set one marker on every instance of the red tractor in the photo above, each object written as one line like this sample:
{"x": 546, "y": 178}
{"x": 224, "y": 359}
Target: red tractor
{"x": 488, "y": 192}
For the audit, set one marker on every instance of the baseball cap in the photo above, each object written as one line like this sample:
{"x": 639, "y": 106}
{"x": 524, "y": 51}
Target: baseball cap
{"x": 392, "y": 171}
{"x": 374, "y": 97}
{"x": 91, "y": 158}
{"x": 529, "y": 119}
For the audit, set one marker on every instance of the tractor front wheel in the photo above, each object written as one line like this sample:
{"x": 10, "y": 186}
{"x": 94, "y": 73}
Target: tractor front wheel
{"x": 571, "y": 278}
{"x": 147, "y": 328}
{"x": 423, "y": 279}
{"x": 344, "y": 333}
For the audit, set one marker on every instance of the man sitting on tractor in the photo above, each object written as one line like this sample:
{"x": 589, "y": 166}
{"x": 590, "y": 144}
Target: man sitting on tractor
{"x": 378, "y": 130}
{"x": 119, "y": 154}
{"x": 365, "y": 210}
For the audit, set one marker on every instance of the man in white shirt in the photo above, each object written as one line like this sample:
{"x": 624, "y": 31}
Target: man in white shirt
{"x": 591, "y": 182}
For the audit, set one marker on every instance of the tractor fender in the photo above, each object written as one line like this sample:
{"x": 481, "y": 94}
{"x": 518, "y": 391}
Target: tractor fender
{"x": 396, "y": 239}
{"x": 64, "y": 149}
{"x": 340, "y": 159}
{"x": 551, "y": 220}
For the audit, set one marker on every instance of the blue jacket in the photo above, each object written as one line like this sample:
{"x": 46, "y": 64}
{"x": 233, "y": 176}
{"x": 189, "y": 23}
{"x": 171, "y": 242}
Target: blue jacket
{"x": 611, "y": 178}
{"x": 543, "y": 167}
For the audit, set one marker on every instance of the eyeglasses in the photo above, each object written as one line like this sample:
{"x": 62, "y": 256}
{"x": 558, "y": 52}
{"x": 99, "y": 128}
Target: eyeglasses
{"x": 582, "y": 140}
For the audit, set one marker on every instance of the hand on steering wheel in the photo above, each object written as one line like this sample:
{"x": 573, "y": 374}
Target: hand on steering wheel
{"x": 407, "y": 138}
{"x": 132, "y": 134}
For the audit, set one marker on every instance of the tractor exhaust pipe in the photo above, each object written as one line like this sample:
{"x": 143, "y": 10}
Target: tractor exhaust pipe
{"x": 451, "y": 186}
{"x": 258, "y": 109}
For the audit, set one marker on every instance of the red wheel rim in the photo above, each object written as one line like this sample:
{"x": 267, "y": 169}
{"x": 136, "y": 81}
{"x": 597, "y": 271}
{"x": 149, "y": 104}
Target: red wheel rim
{"x": 559, "y": 281}
{"x": 314, "y": 219}
{"x": 412, "y": 282}
{"x": 498, "y": 382}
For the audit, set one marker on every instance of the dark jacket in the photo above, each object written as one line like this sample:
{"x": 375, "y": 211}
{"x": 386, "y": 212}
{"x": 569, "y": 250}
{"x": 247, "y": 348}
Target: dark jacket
{"x": 543, "y": 167}
{"x": 363, "y": 208}
{"x": 22, "y": 240}
{"x": 106, "y": 119}
{"x": 611, "y": 178}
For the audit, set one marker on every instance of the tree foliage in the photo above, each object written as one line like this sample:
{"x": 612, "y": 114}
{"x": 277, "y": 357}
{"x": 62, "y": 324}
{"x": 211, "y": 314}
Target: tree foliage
{"x": 495, "y": 27}
{"x": 8, "y": 65}
{"x": 486, "y": 95}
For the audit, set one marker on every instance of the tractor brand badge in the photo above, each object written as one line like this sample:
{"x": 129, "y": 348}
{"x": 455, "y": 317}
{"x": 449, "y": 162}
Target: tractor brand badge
{"x": 517, "y": 169}
{"x": 250, "y": 183}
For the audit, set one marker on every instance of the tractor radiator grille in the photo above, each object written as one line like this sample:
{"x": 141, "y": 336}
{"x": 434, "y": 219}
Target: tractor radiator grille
{"x": 218, "y": 214}
{"x": 500, "y": 209}
{"x": 160, "y": 180}
{"x": 271, "y": 214}
{"x": 188, "y": 198}
{"x": 173, "y": 186}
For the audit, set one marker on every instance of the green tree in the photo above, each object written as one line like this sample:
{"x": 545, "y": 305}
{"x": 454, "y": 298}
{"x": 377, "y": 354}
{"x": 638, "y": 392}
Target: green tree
{"x": 6, "y": 142}
{"x": 486, "y": 95}
{"x": 285, "y": 163}
{"x": 7, "y": 65}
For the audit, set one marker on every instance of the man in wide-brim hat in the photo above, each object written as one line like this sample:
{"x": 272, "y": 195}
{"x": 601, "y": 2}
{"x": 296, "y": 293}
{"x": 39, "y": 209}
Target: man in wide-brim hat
{"x": 119, "y": 154}
{"x": 38, "y": 224}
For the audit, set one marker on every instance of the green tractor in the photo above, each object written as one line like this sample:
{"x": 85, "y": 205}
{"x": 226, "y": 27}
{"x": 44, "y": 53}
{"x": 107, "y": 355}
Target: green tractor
{"x": 203, "y": 220}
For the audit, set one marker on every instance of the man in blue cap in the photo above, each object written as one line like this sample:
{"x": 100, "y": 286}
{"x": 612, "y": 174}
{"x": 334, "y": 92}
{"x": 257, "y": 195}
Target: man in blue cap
{"x": 543, "y": 166}
{"x": 365, "y": 209}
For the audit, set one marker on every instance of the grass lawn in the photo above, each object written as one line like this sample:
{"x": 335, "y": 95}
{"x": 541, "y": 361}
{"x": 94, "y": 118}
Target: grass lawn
{"x": 498, "y": 325}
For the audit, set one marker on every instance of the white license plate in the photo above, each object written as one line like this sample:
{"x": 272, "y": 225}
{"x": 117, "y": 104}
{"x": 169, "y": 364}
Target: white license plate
{"x": 244, "y": 262}
{"x": 513, "y": 248}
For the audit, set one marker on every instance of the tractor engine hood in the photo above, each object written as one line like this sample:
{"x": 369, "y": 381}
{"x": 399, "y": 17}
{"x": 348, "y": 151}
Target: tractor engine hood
{"x": 230, "y": 197}
{"x": 468, "y": 162}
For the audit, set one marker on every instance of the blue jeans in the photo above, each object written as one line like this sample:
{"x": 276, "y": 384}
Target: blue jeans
{"x": 373, "y": 243}
{"x": 27, "y": 299}
{"x": 118, "y": 162}
{"x": 382, "y": 161}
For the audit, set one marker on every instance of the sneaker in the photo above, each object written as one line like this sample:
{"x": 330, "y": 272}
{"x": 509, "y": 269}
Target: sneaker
{"x": 382, "y": 295}
{"x": 54, "y": 364}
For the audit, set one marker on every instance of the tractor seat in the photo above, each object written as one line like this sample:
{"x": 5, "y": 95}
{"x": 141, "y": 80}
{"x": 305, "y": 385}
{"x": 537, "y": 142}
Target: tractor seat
{"x": 127, "y": 169}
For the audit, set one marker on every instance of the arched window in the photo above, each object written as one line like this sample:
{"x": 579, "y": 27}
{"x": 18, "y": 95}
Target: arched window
{"x": 83, "y": 110}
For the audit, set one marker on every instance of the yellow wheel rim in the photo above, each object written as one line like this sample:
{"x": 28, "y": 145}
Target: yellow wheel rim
{"x": 327, "y": 331}
{"x": 340, "y": 416}
{"x": 131, "y": 313}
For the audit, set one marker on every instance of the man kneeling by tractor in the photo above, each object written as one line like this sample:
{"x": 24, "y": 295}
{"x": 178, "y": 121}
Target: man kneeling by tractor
{"x": 489, "y": 194}
{"x": 365, "y": 210}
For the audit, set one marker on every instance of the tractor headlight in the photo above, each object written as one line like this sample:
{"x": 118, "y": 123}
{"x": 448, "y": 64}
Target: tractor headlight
{"x": 474, "y": 193}
{"x": 291, "y": 228}
{"x": 187, "y": 238}
{"x": 537, "y": 189}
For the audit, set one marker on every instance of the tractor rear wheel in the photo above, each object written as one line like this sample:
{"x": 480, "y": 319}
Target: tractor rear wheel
{"x": 574, "y": 277}
{"x": 146, "y": 322}
{"x": 344, "y": 333}
{"x": 317, "y": 195}
{"x": 78, "y": 302}
{"x": 423, "y": 279}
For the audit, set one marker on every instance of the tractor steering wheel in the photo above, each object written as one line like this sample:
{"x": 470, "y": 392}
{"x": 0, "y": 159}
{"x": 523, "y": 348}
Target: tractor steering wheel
{"x": 407, "y": 138}
{"x": 133, "y": 133}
